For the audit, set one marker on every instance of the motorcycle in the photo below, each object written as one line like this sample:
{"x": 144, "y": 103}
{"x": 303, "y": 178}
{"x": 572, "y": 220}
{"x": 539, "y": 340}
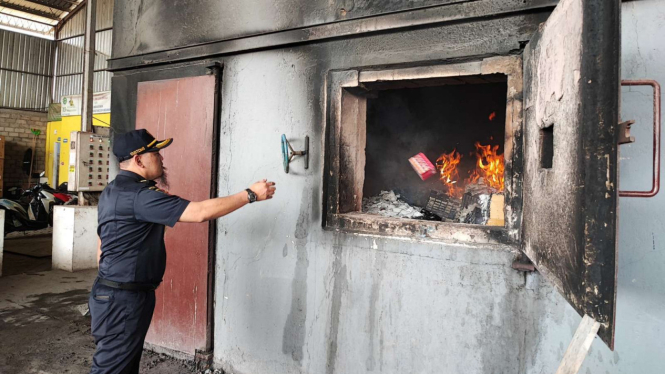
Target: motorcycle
{"x": 41, "y": 206}
{"x": 17, "y": 218}
{"x": 44, "y": 198}
{"x": 33, "y": 209}
{"x": 62, "y": 194}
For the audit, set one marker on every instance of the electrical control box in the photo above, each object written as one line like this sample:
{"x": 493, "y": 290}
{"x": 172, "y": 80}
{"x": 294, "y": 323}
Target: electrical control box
{"x": 88, "y": 161}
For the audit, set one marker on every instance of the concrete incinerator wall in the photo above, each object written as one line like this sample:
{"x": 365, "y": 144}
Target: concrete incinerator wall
{"x": 292, "y": 298}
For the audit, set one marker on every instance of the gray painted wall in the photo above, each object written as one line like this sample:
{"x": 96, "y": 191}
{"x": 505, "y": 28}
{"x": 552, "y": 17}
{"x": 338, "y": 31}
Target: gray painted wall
{"x": 292, "y": 298}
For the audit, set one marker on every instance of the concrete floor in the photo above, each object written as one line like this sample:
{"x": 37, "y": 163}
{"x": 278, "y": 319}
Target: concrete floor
{"x": 43, "y": 330}
{"x": 26, "y": 255}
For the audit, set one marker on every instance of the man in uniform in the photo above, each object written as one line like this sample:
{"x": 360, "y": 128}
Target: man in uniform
{"x": 132, "y": 215}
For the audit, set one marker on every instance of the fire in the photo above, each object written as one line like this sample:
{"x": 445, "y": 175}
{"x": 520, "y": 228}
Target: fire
{"x": 490, "y": 167}
{"x": 447, "y": 167}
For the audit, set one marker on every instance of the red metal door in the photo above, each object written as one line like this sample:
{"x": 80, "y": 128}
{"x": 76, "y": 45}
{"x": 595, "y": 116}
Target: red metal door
{"x": 182, "y": 109}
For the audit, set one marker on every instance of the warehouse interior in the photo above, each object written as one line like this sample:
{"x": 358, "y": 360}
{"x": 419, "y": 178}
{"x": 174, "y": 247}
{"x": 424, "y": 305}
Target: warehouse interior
{"x": 450, "y": 200}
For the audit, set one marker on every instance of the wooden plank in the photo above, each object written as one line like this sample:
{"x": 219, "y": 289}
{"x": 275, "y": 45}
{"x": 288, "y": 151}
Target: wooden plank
{"x": 579, "y": 346}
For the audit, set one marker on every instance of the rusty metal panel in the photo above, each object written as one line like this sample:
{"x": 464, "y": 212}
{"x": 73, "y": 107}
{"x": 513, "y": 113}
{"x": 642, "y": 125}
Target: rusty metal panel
{"x": 182, "y": 109}
{"x": 570, "y": 176}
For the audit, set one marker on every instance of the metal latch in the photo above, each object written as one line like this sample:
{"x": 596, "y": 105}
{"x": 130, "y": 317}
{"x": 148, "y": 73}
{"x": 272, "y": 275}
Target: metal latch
{"x": 624, "y": 132}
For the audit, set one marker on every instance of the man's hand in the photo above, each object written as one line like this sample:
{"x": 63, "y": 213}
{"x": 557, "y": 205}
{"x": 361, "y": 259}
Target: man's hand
{"x": 263, "y": 189}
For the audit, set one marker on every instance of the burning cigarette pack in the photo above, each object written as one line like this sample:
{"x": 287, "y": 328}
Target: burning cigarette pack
{"x": 422, "y": 166}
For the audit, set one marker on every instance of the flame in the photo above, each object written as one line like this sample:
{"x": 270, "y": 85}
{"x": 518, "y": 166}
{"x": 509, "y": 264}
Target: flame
{"x": 490, "y": 167}
{"x": 448, "y": 173}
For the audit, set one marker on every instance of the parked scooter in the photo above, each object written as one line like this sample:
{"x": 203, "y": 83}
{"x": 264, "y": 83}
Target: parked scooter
{"x": 44, "y": 198}
{"x": 17, "y": 218}
{"x": 62, "y": 194}
{"x": 33, "y": 209}
{"x": 41, "y": 206}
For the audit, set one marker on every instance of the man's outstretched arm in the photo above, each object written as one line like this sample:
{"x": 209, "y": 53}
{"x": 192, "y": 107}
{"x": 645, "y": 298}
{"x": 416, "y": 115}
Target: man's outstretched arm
{"x": 207, "y": 210}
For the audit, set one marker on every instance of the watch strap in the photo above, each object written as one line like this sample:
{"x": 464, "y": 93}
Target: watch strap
{"x": 251, "y": 196}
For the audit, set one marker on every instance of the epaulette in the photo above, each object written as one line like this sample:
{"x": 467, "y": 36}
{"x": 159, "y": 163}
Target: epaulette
{"x": 154, "y": 188}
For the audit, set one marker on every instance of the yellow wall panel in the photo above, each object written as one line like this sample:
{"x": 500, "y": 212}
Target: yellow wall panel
{"x": 59, "y": 132}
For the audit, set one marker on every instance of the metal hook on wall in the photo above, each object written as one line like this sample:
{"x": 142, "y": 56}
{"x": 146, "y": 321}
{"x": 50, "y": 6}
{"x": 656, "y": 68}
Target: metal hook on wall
{"x": 288, "y": 153}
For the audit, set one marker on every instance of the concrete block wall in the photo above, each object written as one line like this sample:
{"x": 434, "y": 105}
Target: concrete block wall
{"x": 15, "y": 125}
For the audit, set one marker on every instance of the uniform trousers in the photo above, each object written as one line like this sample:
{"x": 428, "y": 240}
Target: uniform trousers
{"x": 119, "y": 321}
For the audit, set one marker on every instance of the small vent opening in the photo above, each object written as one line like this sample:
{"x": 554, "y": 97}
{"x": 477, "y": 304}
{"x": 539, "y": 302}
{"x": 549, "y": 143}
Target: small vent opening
{"x": 547, "y": 147}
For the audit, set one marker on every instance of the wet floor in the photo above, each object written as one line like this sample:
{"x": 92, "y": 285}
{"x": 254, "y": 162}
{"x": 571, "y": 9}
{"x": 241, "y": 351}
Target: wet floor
{"x": 43, "y": 328}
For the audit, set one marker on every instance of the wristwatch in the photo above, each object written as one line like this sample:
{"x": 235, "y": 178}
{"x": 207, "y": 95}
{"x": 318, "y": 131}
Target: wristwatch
{"x": 251, "y": 196}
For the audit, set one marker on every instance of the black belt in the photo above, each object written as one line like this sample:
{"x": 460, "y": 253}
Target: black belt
{"x": 128, "y": 286}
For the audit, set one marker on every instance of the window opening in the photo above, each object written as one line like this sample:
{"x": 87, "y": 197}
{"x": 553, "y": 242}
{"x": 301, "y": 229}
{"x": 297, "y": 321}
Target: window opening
{"x": 435, "y": 151}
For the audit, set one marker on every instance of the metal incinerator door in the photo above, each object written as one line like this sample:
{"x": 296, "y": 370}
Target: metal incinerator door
{"x": 571, "y": 104}
{"x": 183, "y": 109}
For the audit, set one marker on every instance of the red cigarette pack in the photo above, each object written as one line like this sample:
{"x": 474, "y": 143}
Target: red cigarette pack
{"x": 422, "y": 166}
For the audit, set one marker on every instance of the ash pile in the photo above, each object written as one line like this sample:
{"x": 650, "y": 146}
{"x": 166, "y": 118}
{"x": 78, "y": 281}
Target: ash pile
{"x": 479, "y": 205}
{"x": 388, "y": 204}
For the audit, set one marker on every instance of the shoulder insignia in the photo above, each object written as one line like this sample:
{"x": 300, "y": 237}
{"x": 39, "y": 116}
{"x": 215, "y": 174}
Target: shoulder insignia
{"x": 159, "y": 190}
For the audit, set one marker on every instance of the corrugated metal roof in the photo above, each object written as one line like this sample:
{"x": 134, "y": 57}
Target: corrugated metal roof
{"x": 36, "y": 16}
{"x": 75, "y": 25}
{"x": 27, "y": 64}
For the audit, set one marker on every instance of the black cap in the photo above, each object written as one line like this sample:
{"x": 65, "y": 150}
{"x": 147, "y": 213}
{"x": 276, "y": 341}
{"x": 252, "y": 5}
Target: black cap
{"x": 136, "y": 142}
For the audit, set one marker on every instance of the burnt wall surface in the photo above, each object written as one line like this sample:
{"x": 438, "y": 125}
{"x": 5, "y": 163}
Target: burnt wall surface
{"x": 293, "y": 298}
{"x": 147, "y": 26}
{"x": 433, "y": 120}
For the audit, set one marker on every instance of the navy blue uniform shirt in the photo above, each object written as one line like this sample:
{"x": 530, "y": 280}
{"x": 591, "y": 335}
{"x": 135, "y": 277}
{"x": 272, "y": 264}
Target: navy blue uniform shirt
{"x": 132, "y": 215}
